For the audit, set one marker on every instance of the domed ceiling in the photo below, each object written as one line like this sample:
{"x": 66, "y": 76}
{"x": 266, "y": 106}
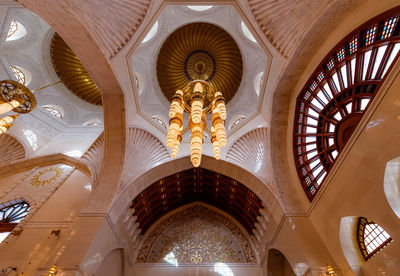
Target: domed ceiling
{"x": 72, "y": 73}
{"x": 200, "y": 51}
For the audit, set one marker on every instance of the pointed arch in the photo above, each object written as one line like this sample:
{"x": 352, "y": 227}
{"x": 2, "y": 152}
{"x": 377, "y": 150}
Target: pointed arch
{"x": 278, "y": 264}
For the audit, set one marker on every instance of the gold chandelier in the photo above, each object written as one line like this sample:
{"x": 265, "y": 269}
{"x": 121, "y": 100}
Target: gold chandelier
{"x": 198, "y": 98}
{"x": 14, "y": 97}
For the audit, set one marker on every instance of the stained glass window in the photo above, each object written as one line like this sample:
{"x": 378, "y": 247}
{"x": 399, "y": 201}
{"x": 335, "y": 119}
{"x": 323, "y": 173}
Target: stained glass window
{"x": 53, "y": 111}
{"x": 333, "y": 101}
{"x": 341, "y": 54}
{"x": 388, "y": 27}
{"x": 370, "y": 35}
{"x": 320, "y": 77}
{"x": 15, "y": 31}
{"x": 13, "y": 28}
{"x": 19, "y": 74}
{"x": 371, "y": 237}
{"x": 313, "y": 85}
{"x": 94, "y": 122}
{"x": 331, "y": 64}
{"x": 11, "y": 213}
{"x": 158, "y": 120}
{"x": 353, "y": 45}
{"x": 237, "y": 122}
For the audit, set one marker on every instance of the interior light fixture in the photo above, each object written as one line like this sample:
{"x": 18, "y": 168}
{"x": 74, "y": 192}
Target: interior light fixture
{"x": 15, "y": 97}
{"x": 330, "y": 271}
{"x": 198, "y": 98}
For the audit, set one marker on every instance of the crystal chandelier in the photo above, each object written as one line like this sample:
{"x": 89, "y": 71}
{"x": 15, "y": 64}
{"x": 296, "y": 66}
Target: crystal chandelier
{"x": 14, "y": 97}
{"x": 197, "y": 99}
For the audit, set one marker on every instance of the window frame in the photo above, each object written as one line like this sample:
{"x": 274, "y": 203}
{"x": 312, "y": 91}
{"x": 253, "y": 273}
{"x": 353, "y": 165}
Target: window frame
{"x": 362, "y": 223}
{"x": 315, "y": 159}
{"x": 8, "y": 224}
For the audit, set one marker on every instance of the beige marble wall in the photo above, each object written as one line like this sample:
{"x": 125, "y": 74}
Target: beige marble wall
{"x": 206, "y": 270}
{"x": 37, "y": 247}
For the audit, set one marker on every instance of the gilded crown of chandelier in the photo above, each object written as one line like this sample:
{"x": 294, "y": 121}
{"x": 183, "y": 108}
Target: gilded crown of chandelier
{"x": 198, "y": 99}
{"x": 14, "y": 97}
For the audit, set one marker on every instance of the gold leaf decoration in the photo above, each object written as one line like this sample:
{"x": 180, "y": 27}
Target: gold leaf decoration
{"x": 200, "y": 51}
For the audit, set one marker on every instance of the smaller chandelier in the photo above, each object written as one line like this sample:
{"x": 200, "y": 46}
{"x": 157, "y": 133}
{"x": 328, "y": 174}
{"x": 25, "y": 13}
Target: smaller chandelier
{"x": 14, "y": 97}
{"x": 198, "y": 99}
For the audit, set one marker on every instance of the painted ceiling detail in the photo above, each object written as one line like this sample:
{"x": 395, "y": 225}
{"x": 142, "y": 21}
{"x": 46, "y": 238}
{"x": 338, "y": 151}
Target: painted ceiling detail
{"x": 30, "y": 184}
{"x": 200, "y": 51}
{"x": 143, "y": 152}
{"x": 93, "y": 157}
{"x": 192, "y": 185}
{"x": 250, "y": 151}
{"x": 72, "y": 73}
{"x": 196, "y": 234}
{"x": 11, "y": 150}
{"x": 111, "y": 25}
{"x": 47, "y": 176}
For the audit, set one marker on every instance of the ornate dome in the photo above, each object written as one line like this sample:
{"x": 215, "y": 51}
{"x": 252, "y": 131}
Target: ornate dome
{"x": 200, "y": 51}
{"x": 72, "y": 73}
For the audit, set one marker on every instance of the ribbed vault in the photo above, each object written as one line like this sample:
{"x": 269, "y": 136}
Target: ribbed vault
{"x": 72, "y": 73}
{"x": 112, "y": 24}
{"x": 143, "y": 152}
{"x": 200, "y": 51}
{"x": 192, "y": 185}
{"x": 93, "y": 157}
{"x": 11, "y": 149}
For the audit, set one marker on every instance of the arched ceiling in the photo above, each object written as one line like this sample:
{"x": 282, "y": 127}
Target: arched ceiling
{"x": 192, "y": 185}
{"x": 72, "y": 73}
{"x": 65, "y": 19}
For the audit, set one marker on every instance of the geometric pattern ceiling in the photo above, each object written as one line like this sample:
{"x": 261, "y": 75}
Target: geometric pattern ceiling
{"x": 333, "y": 101}
{"x": 192, "y": 185}
{"x": 200, "y": 51}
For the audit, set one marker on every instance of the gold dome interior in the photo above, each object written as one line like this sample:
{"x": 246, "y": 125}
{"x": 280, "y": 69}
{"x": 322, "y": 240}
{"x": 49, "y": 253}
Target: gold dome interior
{"x": 72, "y": 73}
{"x": 200, "y": 51}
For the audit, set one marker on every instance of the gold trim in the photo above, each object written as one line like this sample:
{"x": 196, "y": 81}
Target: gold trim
{"x": 72, "y": 73}
{"x": 201, "y": 44}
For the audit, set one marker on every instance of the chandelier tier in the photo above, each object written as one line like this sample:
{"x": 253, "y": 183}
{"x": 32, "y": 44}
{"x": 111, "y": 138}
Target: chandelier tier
{"x": 198, "y": 99}
{"x": 195, "y": 64}
{"x": 14, "y": 97}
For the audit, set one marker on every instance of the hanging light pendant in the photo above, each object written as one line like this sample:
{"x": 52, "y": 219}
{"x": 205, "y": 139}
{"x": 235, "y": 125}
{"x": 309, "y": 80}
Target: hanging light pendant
{"x": 197, "y": 99}
{"x": 14, "y": 97}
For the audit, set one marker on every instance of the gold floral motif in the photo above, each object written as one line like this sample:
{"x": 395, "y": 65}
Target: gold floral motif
{"x": 46, "y": 176}
{"x": 196, "y": 235}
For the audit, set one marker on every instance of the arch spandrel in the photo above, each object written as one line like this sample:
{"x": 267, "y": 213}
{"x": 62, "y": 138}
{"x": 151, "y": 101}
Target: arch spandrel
{"x": 65, "y": 20}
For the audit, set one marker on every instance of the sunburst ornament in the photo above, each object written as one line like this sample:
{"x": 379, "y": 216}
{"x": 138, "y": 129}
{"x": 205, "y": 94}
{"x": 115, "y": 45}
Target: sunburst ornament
{"x": 46, "y": 176}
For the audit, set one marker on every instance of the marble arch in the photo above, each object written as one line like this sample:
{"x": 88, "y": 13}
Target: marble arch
{"x": 77, "y": 35}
